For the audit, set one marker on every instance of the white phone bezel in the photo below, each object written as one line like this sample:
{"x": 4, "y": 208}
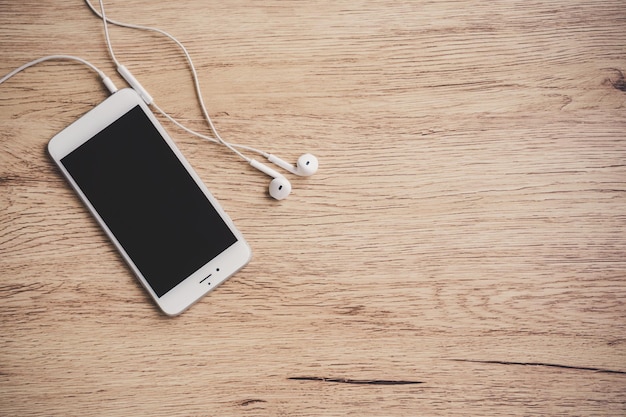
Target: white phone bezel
{"x": 191, "y": 289}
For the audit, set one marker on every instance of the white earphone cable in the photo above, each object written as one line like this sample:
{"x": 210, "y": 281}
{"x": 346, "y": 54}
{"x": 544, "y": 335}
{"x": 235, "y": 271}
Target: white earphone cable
{"x": 106, "y": 35}
{"x": 106, "y": 80}
{"x": 180, "y": 125}
{"x": 194, "y": 73}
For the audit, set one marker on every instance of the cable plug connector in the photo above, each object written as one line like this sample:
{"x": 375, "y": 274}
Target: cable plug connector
{"x": 109, "y": 84}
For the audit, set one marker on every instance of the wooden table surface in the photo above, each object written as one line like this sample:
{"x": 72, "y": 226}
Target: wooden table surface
{"x": 461, "y": 251}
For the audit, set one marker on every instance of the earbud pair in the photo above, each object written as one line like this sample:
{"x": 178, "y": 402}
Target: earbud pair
{"x": 280, "y": 187}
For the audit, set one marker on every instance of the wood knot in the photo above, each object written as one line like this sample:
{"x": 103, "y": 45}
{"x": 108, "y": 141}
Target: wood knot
{"x": 617, "y": 81}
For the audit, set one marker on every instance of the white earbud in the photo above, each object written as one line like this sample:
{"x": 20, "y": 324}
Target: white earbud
{"x": 280, "y": 187}
{"x": 307, "y": 164}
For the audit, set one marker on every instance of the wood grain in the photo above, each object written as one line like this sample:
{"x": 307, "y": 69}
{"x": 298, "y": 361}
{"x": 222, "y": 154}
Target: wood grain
{"x": 462, "y": 250}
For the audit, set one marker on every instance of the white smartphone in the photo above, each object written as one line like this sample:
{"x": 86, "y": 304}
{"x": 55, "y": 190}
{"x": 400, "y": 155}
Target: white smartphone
{"x": 153, "y": 206}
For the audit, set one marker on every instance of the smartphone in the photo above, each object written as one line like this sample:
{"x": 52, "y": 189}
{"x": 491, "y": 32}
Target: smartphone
{"x": 153, "y": 206}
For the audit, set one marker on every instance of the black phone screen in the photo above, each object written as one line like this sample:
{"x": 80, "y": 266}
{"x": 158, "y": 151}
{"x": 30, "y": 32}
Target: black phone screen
{"x": 149, "y": 201}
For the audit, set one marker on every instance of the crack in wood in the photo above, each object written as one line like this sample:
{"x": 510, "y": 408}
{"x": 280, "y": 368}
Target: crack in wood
{"x": 356, "y": 381}
{"x": 251, "y": 401}
{"x": 550, "y": 365}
